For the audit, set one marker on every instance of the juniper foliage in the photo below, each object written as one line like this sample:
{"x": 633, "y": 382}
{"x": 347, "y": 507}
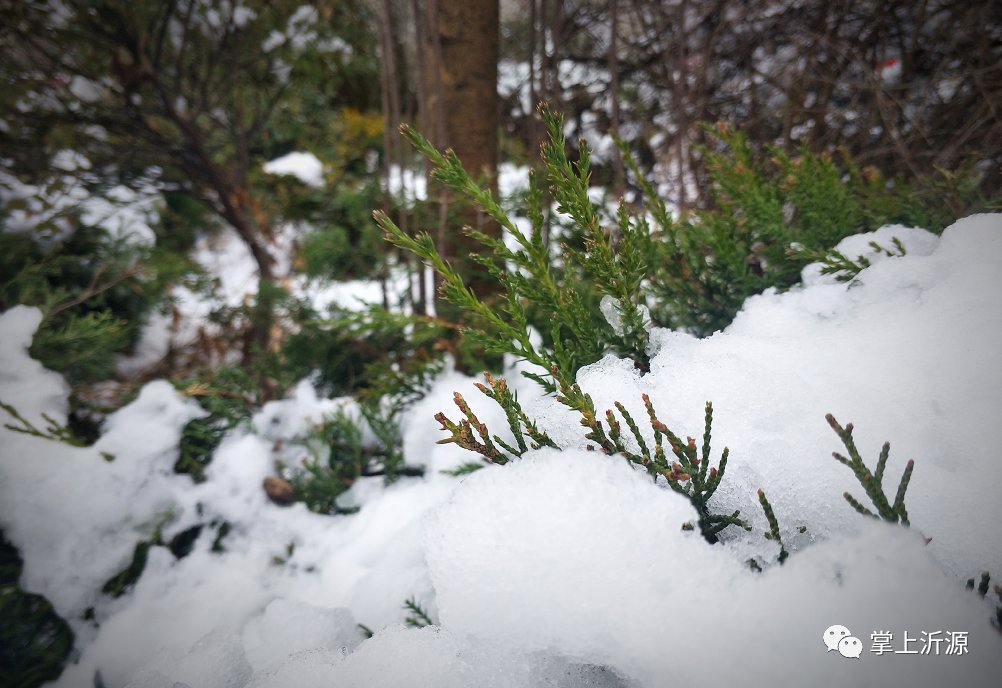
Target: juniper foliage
{"x": 53, "y": 429}
{"x": 227, "y": 397}
{"x": 691, "y": 271}
{"x": 418, "y": 616}
{"x": 340, "y": 455}
{"x": 773, "y": 214}
{"x": 846, "y": 269}
{"x": 95, "y": 292}
{"x": 688, "y": 472}
{"x": 464, "y": 469}
{"x": 35, "y": 642}
{"x": 612, "y": 263}
{"x": 650, "y": 265}
{"x": 872, "y": 482}
{"x": 773, "y": 532}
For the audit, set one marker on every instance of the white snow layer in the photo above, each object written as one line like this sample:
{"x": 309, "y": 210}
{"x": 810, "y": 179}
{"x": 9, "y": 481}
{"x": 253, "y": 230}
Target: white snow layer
{"x": 563, "y": 568}
{"x": 306, "y": 167}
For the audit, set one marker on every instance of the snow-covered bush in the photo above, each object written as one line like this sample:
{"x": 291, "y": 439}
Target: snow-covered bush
{"x": 568, "y": 567}
{"x": 773, "y": 214}
{"x": 604, "y": 398}
{"x": 567, "y": 564}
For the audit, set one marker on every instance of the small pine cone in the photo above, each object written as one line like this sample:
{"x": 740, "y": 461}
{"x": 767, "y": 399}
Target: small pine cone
{"x": 279, "y": 491}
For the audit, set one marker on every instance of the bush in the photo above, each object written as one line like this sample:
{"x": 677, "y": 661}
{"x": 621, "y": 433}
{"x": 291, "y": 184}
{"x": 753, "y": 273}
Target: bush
{"x": 371, "y": 352}
{"x": 95, "y": 292}
{"x": 340, "y": 456}
{"x": 35, "y": 642}
{"x": 595, "y": 298}
{"x": 227, "y": 395}
{"x": 773, "y": 215}
{"x": 346, "y": 244}
{"x": 557, "y": 299}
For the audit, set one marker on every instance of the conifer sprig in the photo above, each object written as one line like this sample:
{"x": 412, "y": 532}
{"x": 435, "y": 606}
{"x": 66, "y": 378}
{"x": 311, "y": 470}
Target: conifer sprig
{"x": 503, "y": 330}
{"x": 462, "y": 433}
{"x": 613, "y": 263}
{"x": 522, "y": 427}
{"x": 773, "y": 532}
{"x": 689, "y": 472}
{"x": 841, "y": 266}
{"x": 872, "y": 482}
{"x": 53, "y": 430}
{"x": 418, "y": 617}
{"x": 463, "y": 469}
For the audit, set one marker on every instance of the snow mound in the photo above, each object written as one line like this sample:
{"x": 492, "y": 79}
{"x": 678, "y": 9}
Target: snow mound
{"x": 579, "y": 555}
{"x": 287, "y": 627}
{"x": 908, "y": 354}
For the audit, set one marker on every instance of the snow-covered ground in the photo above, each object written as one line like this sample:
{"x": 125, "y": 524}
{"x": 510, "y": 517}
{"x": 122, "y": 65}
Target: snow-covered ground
{"x": 565, "y": 568}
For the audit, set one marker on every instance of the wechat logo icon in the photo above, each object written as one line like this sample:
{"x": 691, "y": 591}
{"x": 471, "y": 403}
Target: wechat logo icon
{"x": 842, "y": 640}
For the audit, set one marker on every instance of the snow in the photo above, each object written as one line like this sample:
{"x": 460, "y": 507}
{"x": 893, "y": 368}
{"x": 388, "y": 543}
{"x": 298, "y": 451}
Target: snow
{"x": 575, "y": 554}
{"x": 124, "y": 213}
{"x": 304, "y": 166}
{"x": 409, "y": 186}
{"x": 288, "y": 627}
{"x": 85, "y": 89}
{"x": 564, "y": 568}
{"x": 406, "y": 185}
{"x": 512, "y": 179}
{"x": 529, "y": 533}
{"x": 90, "y": 504}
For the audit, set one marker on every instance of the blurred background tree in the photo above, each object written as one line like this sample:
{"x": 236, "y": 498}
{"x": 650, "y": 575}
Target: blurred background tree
{"x": 187, "y": 99}
{"x": 190, "y": 98}
{"x": 906, "y": 87}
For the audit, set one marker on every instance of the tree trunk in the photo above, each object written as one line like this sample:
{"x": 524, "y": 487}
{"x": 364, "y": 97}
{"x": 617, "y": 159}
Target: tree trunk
{"x": 618, "y": 175}
{"x": 260, "y": 337}
{"x": 462, "y": 54}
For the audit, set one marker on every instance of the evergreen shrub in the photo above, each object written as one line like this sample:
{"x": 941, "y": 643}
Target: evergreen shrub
{"x": 35, "y": 642}
{"x": 773, "y": 214}
{"x": 400, "y": 359}
{"x": 96, "y": 292}
{"x": 602, "y": 294}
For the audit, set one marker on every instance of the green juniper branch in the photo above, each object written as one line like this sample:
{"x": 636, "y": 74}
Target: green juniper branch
{"x": 593, "y": 299}
{"x": 418, "y": 617}
{"x": 463, "y": 469}
{"x": 773, "y": 533}
{"x": 872, "y": 482}
{"x": 841, "y": 266}
{"x": 612, "y": 263}
{"x": 689, "y": 474}
{"x": 53, "y": 430}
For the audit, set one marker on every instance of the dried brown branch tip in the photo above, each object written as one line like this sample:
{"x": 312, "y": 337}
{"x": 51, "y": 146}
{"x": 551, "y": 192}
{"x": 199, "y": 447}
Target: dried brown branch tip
{"x": 872, "y": 482}
{"x": 461, "y": 433}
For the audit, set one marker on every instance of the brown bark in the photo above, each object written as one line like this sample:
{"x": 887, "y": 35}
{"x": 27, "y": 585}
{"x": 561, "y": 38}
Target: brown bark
{"x": 235, "y": 205}
{"x": 617, "y": 160}
{"x": 468, "y": 35}
{"x": 461, "y": 92}
{"x": 392, "y": 147}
